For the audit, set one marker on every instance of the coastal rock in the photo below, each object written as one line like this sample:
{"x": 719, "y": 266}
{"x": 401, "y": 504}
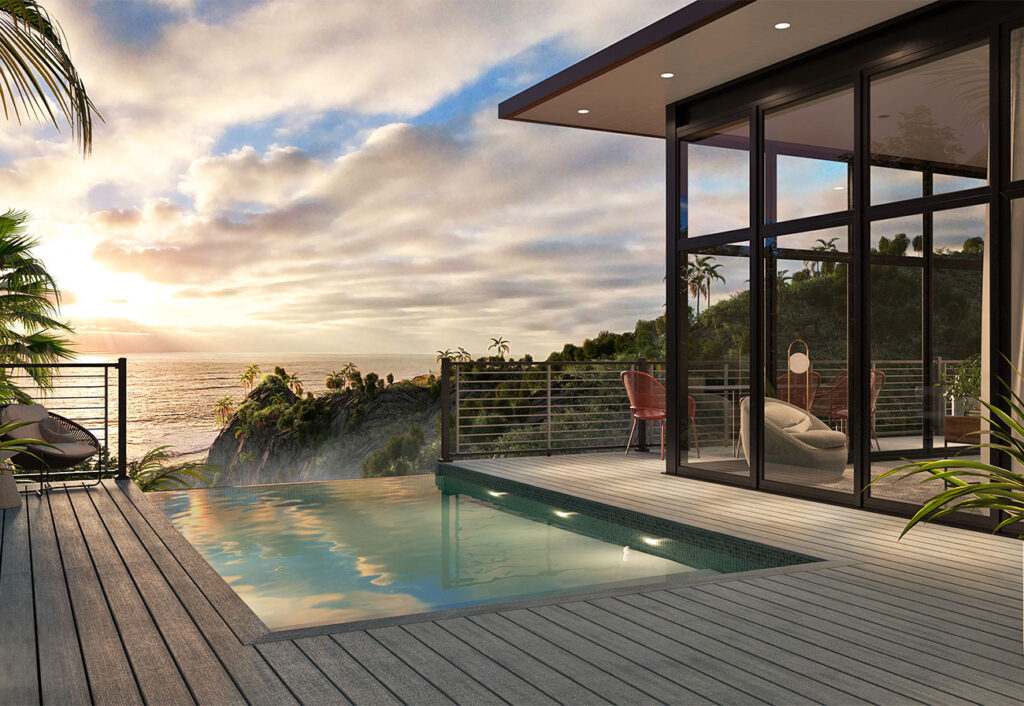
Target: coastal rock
{"x": 343, "y": 429}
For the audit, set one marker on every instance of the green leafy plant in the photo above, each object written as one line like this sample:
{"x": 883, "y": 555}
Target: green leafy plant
{"x": 964, "y": 381}
{"x": 156, "y": 470}
{"x": 968, "y": 484}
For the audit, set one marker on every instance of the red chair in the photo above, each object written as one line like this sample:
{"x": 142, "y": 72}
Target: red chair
{"x": 843, "y": 415}
{"x": 647, "y": 402}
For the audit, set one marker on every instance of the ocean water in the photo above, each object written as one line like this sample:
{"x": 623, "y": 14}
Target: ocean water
{"x": 172, "y": 397}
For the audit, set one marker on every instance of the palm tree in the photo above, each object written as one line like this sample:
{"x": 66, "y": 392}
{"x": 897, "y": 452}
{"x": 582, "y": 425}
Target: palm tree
{"x": 816, "y": 265}
{"x": 30, "y": 333}
{"x": 335, "y": 380}
{"x": 500, "y": 346}
{"x": 225, "y": 409}
{"x": 249, "y": 376}
{"x": 463, "y": 355}
{"x": 37, "y": 72}
{"x": 446, "y": 353}
{"x": 693, "y": 276}
{"x": 709, "y": 275}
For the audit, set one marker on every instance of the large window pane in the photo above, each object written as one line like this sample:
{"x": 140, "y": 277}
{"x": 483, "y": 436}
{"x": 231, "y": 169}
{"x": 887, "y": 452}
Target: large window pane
{"x": 808, "y": 157}
{"x": 1017, "y": 103}
{"x": 715, "y": 181}
{"x": 930, "y": 122}
{"x": 920, "y": 406}
{"x": 806, "y": 407}
{"x": 715, "y": 338}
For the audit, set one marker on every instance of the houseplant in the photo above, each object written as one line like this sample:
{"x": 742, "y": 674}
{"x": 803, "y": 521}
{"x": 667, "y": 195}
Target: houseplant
{"x": 962, "y": 385}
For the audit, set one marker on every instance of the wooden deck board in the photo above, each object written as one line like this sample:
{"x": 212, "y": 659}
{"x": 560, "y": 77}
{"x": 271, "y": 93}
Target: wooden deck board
{"x": 19, "y": 681}
{"x": 935, "y": 618}
{"x": 60, "y": 653}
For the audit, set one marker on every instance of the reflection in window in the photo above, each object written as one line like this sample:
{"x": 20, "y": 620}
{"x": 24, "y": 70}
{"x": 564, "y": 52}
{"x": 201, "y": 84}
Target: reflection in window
{"x": 808, "y": 158}
{"x": 807, "y": 402}
{"x": 1017, "y": 103}
{"x": 714, "y": 332}
{"x": 715, "y": 181}
{"x": 931, "y": 121}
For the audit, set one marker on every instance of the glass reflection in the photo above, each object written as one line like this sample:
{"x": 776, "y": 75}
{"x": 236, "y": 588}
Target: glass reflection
{"x": 809, "y": 157}
{"x": 715, "y": 181}
{"x": 930, "y": 122}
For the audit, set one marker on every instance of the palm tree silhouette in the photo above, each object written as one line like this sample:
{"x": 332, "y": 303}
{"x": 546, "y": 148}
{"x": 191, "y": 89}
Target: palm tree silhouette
{"x": 446, "y": 353}
{"x": 464, "y": 355}
{"x": 709, "y": 275}
{"x": 500, "y": 346}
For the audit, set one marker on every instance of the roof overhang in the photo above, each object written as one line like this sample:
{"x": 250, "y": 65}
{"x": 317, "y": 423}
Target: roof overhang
{"x": 705, "y": 44}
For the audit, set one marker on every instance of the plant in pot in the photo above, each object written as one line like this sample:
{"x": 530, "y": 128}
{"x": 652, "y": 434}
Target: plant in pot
{"x": 961, "y": 386}
{"x": 963, "y": 483}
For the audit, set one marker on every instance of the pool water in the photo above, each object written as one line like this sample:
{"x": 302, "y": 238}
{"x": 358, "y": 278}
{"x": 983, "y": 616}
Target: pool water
{"x": 305, "y": 554}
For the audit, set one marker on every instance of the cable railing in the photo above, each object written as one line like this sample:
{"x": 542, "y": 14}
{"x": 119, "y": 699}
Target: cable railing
{"x": 92, "y": 396}
{"x": 548, "y": 407}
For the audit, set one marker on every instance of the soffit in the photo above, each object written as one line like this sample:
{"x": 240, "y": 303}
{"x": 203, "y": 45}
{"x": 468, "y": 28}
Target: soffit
{"x": 705, "y": 44}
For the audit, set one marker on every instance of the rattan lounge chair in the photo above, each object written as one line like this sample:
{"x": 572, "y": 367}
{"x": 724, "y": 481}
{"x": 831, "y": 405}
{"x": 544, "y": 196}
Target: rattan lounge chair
{"x": 70, "y": 443}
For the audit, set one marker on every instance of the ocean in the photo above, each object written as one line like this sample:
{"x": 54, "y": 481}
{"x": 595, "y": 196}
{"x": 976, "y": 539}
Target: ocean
{"x": 172, "y": 397}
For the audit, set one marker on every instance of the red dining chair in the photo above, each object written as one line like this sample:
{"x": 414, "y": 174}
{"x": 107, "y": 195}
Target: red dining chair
{"x": 647, "y": 402}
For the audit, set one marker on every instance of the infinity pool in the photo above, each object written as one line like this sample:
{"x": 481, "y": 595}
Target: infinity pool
{"x": 304, "y": 554}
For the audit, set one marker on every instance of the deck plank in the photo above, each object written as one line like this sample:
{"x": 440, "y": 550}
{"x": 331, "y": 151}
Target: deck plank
{"x": 247, "y": 667}
{"x": 159, "y": 675}
{"x": 206, "y": 677}
{"x": 111, "y": 677}
{"x": 400, "y": 679}
{"x": 61, "y": 669}
{"x": 510, "y": 686}
{"x": 358, "y": 684}
{"x": 19, "y": 675}
{"x": 309, "y": 684}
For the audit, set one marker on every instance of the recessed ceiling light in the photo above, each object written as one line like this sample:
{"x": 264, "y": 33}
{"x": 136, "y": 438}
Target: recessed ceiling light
{"x": 582, "y": 111}
{"x": 782, "y": 25}
{"x": 667, "y": 74}
{"x": 884, "y": 115}
{"x": 838, "y": 188}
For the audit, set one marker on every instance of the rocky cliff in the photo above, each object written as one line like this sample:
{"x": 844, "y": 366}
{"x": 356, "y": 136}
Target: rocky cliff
{"x": 277, "y": 437}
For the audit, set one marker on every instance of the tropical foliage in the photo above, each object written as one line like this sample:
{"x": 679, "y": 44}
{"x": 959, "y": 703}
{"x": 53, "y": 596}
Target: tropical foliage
{"x": 225, "y": 410}
{"x": 500, "y": 347}
{"x": 37, "y": 73}
{"x": 156, "y": 470}
{"x": 401, "y": 455}
{"x": 30, "y": 331}
{"x": 249, "y": 376}
{"x": 966, "y": 484}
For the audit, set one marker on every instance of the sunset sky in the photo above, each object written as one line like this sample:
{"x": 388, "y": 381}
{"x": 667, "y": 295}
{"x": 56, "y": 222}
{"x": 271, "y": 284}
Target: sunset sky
{"x": 332, "y": 177}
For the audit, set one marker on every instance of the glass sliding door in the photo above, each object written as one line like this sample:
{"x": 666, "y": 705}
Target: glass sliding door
{"x": 927, "y": 327}
{"x": 1017, "y": 104}
{"x": 807, "y": 415}
{"x": 714, "y": 348}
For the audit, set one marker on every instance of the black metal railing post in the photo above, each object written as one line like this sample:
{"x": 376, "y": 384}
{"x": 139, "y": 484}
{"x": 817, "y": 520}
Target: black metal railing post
{"x": 547, "y": 413}
{"x": 446, "y": 403}
{"x": 122, "y": 418}
{"x": 641, "y": 428}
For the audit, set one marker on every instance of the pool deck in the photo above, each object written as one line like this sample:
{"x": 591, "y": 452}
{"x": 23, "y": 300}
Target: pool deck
{"x": 104, "y": 601}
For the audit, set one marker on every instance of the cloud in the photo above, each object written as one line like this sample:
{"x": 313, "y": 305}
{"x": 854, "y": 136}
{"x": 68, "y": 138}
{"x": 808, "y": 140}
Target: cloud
{"x": 266, "y": 170}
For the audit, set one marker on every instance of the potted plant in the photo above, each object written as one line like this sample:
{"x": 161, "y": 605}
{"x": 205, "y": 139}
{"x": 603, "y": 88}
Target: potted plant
{"x": 962, "y": 386}
{"x": 963, "y": 483}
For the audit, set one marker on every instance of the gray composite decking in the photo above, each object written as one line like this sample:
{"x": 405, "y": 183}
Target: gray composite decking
{"x": 103, "y": 601}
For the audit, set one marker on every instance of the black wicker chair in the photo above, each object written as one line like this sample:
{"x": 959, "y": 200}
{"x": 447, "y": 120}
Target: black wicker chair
{"x": 45, "y": 458}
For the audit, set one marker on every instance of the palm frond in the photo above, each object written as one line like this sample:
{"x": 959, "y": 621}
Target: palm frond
{"x": 37, "y": 72}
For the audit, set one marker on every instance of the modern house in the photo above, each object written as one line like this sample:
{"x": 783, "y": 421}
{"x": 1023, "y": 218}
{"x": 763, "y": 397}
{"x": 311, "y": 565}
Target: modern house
{"x": 844, "y": 227}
